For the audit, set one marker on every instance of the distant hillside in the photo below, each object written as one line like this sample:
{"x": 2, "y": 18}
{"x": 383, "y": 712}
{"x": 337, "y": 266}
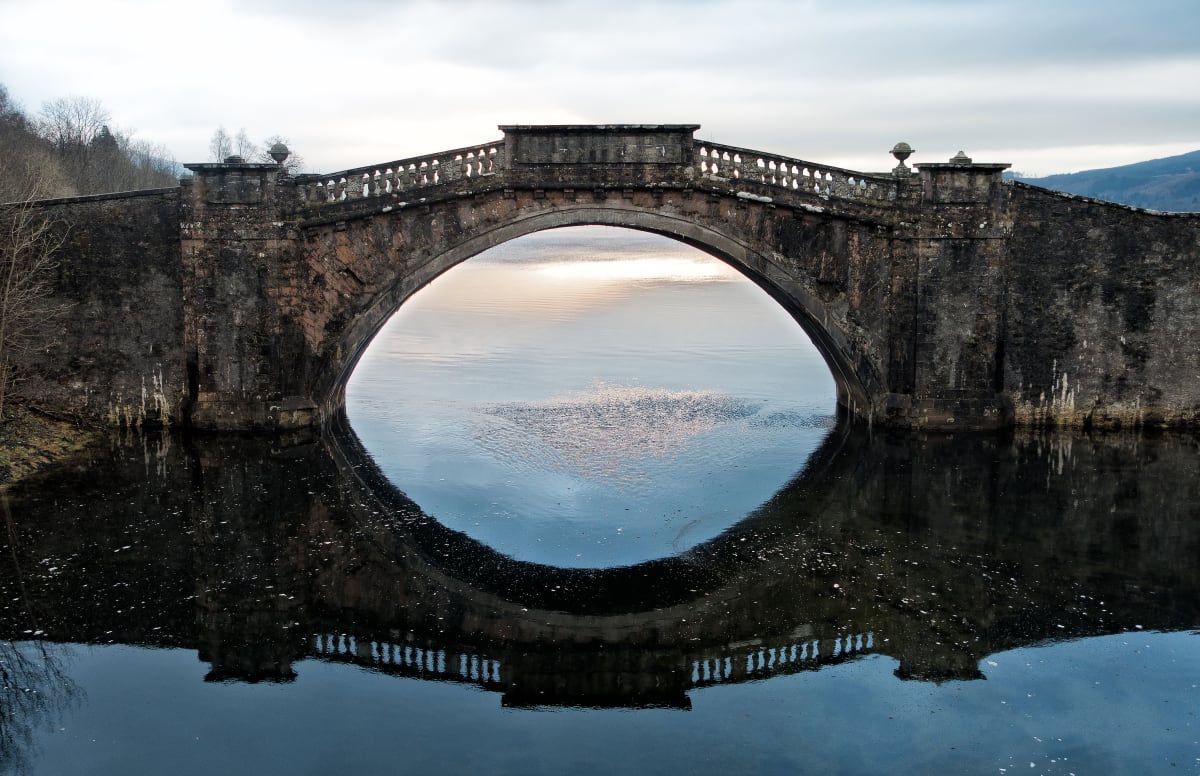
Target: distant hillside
{"x": 1171, "y": 184}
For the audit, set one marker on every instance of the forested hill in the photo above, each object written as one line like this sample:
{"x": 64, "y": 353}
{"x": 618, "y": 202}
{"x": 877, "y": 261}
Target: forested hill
{"x": 1170, "y": 184}
{"x": 71, "y": 149}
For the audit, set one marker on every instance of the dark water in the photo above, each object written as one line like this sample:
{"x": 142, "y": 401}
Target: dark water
{"x": 905, "y": 604}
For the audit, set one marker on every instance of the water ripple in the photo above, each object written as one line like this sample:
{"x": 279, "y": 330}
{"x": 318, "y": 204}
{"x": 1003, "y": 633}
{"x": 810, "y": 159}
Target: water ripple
{"x": 604, "y": 432}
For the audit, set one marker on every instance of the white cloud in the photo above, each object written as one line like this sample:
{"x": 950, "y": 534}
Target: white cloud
{"x": 358, "y": 82}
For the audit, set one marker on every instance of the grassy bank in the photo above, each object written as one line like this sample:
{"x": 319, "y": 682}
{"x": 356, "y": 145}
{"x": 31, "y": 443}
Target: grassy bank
{"x": 29, "y": 441}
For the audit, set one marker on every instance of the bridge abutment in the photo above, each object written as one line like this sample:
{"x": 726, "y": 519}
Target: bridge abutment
{"x": 957, "y": 251}
{"x": 245, "y": 352}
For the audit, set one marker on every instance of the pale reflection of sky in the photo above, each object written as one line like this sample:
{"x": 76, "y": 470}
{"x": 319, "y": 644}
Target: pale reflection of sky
{"x": 563, "y": 273}
{"x": 591, "y": 397}
{"x": 1120, "y": 704}
{"x": 667, "y": 268}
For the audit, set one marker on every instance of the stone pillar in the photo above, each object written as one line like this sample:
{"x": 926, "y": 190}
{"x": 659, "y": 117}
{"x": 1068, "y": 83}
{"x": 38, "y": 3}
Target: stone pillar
{"x": 243, "y": 369}
{"x": 959, "y": 244}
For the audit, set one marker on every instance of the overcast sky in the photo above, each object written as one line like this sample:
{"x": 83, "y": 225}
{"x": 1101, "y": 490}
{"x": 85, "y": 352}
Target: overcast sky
{"x": 1047, "y": 85}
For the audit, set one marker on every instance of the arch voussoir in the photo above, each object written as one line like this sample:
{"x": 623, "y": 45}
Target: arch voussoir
{"x": 426, "y": 254}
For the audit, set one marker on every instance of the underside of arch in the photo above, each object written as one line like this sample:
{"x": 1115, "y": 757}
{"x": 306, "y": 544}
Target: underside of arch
{"x": 854, "y": 395}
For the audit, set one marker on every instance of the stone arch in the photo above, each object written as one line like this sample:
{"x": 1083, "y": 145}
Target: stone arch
{"x": 856, "y": 391}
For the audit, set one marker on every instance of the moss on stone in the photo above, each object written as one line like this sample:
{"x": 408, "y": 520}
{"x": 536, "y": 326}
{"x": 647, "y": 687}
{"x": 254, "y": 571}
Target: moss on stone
{"x": 30, "y": 441}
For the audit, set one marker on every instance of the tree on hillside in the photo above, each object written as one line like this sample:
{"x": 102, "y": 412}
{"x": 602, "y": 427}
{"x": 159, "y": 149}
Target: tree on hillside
{"x": 152, "y": 165}
{"x": 27, "y": 162}
{"x": 95, "y": 157}
{"x": 118, "y": 163}
{"x": 70, "y": 125}
{"x": 104, "y": 160}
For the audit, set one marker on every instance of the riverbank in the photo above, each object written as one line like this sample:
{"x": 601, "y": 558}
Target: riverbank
{"x": 30, "y": 441}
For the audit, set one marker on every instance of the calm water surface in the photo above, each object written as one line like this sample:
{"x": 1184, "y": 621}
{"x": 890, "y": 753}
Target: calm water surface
{"x": 596, "y": 517}
{"x": 591, "y": 397}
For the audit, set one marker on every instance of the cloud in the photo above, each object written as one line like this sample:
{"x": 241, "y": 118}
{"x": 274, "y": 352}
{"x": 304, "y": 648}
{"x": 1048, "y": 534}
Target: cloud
{"x": 361, "y": 81}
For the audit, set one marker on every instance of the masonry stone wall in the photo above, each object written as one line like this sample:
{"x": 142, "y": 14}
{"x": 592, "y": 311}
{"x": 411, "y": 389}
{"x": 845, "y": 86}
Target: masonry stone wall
{"x": 115, "y": 353}
{"x": 1102, "y": 312}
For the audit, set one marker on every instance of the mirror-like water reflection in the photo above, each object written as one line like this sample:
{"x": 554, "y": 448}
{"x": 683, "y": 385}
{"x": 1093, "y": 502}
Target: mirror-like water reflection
{"x": 844, "y": 625}
{"x": 450, "y": 590}
{"x": 591, "y": 397}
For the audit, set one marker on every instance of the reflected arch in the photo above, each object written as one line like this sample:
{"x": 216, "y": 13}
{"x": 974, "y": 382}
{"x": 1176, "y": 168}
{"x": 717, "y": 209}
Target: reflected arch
{"x": 856, "y": 380}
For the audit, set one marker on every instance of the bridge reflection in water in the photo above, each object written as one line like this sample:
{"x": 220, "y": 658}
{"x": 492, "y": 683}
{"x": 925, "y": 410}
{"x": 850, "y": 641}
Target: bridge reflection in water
{"x": 737, "y": 663}
{"x": 934, "y": 551}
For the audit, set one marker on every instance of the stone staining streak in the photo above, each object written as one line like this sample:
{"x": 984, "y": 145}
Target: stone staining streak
{"x": 149, "y": 410}
{"x": 1053, "y": 407}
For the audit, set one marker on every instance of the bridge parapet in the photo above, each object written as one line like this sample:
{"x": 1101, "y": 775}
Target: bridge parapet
{"x": 598, "y": 156}
{"x": 619, "y": 676}
{"x": 792, "y": 175}
{"x": 401, "y": 175}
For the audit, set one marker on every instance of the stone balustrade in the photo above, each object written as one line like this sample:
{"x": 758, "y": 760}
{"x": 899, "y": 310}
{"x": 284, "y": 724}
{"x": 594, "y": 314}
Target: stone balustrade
{"x": 746, "y": 664}
{"x": 403, "y": 174}
{"x": 733, "y": 664}
{"x": 713, "y": 160}
{"x": 792, "y": 175}
{"x": 427, "y": 661}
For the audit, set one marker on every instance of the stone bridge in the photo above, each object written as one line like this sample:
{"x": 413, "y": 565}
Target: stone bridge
{"x": 944, "y": 297}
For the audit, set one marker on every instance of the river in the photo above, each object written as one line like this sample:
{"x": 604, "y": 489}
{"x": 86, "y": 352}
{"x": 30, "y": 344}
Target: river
{"x": 591, "y": 511}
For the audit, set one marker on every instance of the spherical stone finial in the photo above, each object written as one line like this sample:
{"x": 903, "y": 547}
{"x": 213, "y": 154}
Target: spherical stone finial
{"x": 279, "y": 152}
{"x": 902, "y": 151}
{"x": 960, "y": 158}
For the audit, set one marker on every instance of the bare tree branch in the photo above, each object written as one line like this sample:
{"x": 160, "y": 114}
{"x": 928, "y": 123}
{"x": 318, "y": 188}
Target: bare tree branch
{"x": 244, "y": 146}
{"x": 28, "y": 246}
{"x": 220, "y": 146}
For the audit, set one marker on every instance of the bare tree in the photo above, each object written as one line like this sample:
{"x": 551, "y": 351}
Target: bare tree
{"x": 28, "y": 245}
{"x": 72, "y": 121}
{"x": 71, "y": 125}
{"x": 36, "y": 691}
{"x": 220, "y": 145}
{"x": 244, "y": 146}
